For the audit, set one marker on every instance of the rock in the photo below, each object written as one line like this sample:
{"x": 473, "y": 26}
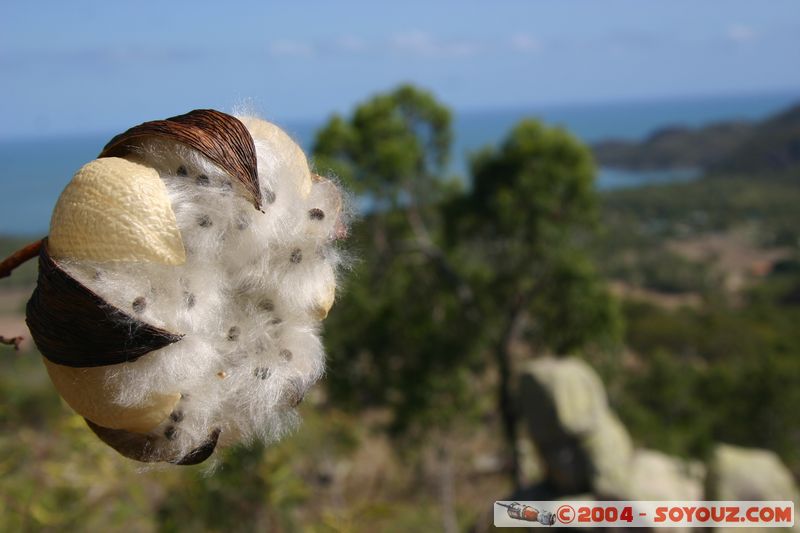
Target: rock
{"x": 749, "y": 474}
{"x": 583, "y": 445}
{"x": 736, "y": 473}
{"x": 610, "y": 451}
{"x": 584, "y": 448}
{"x": 656, "y": 476}
{"x": 572, "y": 387}
{"x": 531, "y": 469}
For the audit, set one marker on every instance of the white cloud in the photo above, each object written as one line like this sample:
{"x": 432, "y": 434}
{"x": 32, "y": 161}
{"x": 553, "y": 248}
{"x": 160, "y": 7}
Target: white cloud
{"x": 423, "y": 44}
{"x": 524, "y": 42}
{"x": 741, "y": 33}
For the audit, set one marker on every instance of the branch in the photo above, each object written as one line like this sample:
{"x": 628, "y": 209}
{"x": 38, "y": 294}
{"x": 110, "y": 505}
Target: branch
{"x": 508, "y": 409}
{"x": 12, "y": 341}
{"x": 20, "y": 256}
{"x": 435, "y": 255}
{"x": 424, "y": 244}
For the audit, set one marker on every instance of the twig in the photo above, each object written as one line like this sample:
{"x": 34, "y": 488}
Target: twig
{"x": 20, "y": 256}
{"x": 12, "y": 341}
{"x": 7, "y": 266}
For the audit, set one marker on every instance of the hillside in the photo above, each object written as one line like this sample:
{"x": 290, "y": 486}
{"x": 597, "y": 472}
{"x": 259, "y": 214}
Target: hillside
{"x": 675, "y": 147}
{"x": 773, "y": 145}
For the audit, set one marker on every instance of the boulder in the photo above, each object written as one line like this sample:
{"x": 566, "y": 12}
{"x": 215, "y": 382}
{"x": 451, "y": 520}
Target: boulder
{"x": 737, "y": 473}
{"x": 583, "y": 445}
{"x": 657, "y": 476}
{"x": 610, "y": 451}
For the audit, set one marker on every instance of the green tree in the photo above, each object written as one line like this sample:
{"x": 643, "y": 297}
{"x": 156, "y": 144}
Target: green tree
{"x": 531, "y": 206}
{"x": 395, "y": 145}
{"x": 449, "y": 280}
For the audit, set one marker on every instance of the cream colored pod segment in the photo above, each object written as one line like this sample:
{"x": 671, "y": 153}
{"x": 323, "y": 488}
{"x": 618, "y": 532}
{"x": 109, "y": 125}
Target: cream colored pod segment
{"x": 113, "y": 210}
{"x": 116, "y": 210}
{"x": 274, "y": 140}
{"x": 87, "y": 391}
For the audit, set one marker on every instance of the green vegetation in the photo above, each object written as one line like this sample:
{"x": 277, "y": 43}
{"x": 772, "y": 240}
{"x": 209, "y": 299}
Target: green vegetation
{"x": 706, "y": 372}
{"x": 449, "y": 280}
{"x": 413, "y": 427}
{"x": 717, "y": 373}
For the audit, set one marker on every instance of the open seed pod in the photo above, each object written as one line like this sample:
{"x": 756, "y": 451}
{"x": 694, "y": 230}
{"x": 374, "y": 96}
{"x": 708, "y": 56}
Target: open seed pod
{"x": 182, "y": 283}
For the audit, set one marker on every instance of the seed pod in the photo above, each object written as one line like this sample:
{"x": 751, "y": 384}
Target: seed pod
{"x": 150, "y": 303}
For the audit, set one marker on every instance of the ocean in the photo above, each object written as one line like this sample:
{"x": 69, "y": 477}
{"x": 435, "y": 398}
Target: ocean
{"x": 34, "y": 171}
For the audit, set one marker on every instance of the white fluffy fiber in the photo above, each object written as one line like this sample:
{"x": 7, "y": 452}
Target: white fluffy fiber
{"x": 246, "y": 299}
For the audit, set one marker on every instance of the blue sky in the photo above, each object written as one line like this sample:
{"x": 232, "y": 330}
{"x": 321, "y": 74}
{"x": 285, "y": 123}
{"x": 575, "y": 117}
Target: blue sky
{"x": 85, "y": 67}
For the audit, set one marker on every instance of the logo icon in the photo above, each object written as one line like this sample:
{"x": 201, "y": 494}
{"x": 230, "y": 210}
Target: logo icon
{"x": 526, "y": 513}
{"x": 565, "y": 514}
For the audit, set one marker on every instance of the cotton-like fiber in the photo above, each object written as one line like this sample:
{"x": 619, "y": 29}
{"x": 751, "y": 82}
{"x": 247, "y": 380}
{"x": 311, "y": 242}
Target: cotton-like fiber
{"x": 248, "y": 299}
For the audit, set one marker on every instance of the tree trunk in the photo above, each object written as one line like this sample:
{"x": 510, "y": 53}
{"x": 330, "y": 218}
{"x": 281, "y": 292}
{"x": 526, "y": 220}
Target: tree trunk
{"x": 506, "y": 404}
{"x": 447, "y": 490}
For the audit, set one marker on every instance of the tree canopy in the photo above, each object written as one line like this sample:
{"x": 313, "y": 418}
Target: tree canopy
{"x": 449, "y": 278}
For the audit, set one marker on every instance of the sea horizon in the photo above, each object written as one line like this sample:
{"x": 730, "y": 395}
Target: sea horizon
{"x": 35, "y": 170}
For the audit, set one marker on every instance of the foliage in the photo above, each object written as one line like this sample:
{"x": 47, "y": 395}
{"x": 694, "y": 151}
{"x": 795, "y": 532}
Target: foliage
{"x": 646, "y": 216}
{"x": 398, "y": 334}
{"x": 394, "y": 143}
{"x": 447, "y": 277}
{"x": 716, "y": 374}
{"x": 532, "y": 203}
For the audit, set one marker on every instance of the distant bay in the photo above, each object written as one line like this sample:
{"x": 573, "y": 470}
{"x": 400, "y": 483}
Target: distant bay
{"x": 34, "y": 171}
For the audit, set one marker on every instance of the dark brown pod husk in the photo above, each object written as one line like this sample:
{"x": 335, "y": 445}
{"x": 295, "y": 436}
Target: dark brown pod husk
{"x": 75, "y": 327}
{"x": 220, "y": 137}
{"x": 151, "y": 449}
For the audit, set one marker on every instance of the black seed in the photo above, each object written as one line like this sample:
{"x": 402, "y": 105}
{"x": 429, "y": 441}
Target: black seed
{"x": 139, "y": 304}
{"x": 261, "y": 372}
{"x": 275, "y": 321}
{"x": 266, "y": 305}
{"x": 233, "y": 333}
{"x": 286, "y": 355}
{"x": 176, "y": 416}
{"x": 202, "y": 179}
{"x": 181, "y": 171}
{"x": 316, "y": 214}
{"x": 297, "y": 256}
{"x": 97, "y": 275}
{"x": 189, "y": 298}
{"x": 170, "y": 432}
{"x": 204, "y": 221}
{"x": 269, "y": 197}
